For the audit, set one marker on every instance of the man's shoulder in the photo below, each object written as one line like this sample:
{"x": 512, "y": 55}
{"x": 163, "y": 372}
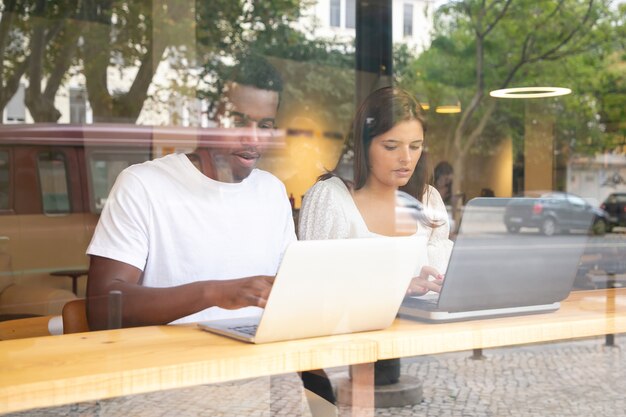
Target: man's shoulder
{"x": 156, "y": 163}
{"x": 153, "y": 168}
{"x": 151, "y": 175}
{"x": 260, "y": 176}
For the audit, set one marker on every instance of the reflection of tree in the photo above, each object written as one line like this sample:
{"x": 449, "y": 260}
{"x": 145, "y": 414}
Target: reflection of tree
{"x": 613, "y": 100}
{"x": 47, "y": 41}
{"x": 319, "y": 73}
{"x": 321, "y": 77}
{"x": 43, "y": 39}
{"x": 140, "y": 47}
{"x": 36, "y": 39}
{"x": 53, "y": 45}
{"x": 13, "y": 67}
{"x": 484, "y": 45}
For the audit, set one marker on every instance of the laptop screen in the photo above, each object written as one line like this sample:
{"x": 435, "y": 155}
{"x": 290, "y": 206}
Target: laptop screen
{"x": 507, "y": 254}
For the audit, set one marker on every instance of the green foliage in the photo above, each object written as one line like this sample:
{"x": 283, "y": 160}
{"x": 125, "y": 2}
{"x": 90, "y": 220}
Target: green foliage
{"x": 32, "y": 38}
{"x": 480, "y": 46}
{"x": 318, "y": 72}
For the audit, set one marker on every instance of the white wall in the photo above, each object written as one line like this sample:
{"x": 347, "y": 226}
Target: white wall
{"x": 594, "y": 179}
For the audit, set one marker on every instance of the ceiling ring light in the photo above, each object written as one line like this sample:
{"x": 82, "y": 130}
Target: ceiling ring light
{"x": 530, "y": 92}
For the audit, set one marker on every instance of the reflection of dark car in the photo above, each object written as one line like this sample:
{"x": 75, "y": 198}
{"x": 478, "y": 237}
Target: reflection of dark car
{"x": 552, "y": 212}
{"x": 615, "y": 206}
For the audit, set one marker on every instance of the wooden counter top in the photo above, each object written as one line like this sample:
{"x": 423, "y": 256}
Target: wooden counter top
{"x": 582, "y": 314}
{"x": 56, "y": 370}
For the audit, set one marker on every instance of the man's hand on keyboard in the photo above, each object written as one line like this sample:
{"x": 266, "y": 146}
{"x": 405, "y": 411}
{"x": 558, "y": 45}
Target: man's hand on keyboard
{"x": 244, "y": 292}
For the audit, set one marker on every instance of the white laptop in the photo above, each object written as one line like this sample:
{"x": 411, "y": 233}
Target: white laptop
{"x": 327, "y": 287}
{"x": 493, "y": 272}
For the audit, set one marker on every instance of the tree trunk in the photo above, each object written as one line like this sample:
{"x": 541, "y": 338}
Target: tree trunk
{"x": 458, "y": 194}
{"x": 108, "y": 107}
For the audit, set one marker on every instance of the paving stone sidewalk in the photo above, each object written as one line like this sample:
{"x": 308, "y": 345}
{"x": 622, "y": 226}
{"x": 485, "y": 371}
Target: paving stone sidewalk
{"x": 575, "y": 378}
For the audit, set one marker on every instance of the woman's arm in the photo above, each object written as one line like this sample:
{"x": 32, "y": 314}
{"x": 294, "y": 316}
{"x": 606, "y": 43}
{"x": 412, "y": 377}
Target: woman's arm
{"x": 439, "y": 243}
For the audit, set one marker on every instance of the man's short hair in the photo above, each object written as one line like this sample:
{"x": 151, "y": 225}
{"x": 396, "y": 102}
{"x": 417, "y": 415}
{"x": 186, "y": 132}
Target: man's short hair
{"x": 255, "y": 71}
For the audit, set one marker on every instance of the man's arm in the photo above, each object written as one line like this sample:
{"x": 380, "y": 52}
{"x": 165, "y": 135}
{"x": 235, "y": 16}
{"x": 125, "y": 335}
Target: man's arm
{"x": 144, "y": 306}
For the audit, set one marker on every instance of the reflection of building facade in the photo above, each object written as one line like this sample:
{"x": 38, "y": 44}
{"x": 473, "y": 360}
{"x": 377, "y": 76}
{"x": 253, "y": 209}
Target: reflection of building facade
{"x": 412, "y": 20}
{"x": 597, "y": 177}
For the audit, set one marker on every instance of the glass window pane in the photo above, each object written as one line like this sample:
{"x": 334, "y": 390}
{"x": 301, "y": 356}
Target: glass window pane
{"x": 335, "y": 13}
{"x": 351, "y": 14}
{"x": 408, "y": 20}
{"x": 15, "y": 108}
{"x": 78, "y": 105}
{"x": 53, "y": 182}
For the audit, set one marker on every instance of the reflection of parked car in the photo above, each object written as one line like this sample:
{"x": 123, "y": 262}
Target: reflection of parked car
{"x": 552, "y": 212}
{"x": 615, "y": 206}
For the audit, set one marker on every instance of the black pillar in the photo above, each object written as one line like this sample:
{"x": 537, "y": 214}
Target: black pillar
{"x": 374, "y": 46}
{"x": 374, "y": 69}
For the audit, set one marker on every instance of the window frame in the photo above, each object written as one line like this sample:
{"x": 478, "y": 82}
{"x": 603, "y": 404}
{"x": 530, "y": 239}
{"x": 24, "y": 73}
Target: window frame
{"x": 10, "y": 209}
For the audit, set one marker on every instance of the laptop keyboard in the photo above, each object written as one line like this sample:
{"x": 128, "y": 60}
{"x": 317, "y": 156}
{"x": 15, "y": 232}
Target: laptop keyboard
{"x": 249, "y": 330}
{"x": 428, "y": 302}
{"x": 427, "y": 305}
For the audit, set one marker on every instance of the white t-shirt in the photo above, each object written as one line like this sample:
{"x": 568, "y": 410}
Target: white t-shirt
{"x": 178, "y": 226}
{"x": 329, "y": 212}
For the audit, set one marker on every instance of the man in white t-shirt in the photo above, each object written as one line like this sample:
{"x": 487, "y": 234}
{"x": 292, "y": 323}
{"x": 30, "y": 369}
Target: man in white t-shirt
{"x": 182, "y": 245}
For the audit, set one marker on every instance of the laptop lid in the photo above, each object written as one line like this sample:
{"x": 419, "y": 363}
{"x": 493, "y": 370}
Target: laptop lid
{"x": 493, "y": 268}
{"x": 329, "y": 287}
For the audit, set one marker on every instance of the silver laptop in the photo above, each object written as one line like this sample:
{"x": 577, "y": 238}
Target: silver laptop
{"x": 328, "y": 287}
{"x": 495, "y": 272}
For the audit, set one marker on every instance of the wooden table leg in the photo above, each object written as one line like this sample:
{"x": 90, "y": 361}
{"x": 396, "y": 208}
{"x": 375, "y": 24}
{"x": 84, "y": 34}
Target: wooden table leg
{"x": 75, "y": 284}
{"x": 609, "y": 339}
{"x": 362, "y": 390}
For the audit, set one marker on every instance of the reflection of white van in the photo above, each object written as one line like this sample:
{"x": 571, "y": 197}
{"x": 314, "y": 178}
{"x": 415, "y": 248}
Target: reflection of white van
{"x": 54, "y": 180}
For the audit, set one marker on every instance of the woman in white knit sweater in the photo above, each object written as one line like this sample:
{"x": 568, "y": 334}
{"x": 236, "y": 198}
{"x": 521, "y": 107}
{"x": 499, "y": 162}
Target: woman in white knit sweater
{"x": 387, "y": 134}
{"x": 388, "y": 138}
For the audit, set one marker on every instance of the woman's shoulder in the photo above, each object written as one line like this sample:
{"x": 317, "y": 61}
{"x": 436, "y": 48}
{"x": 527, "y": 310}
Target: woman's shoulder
{"x": 331, "y": 194}
{"x": 431, "y": 190}
{"x": 329, "y": 186}
{"x": 432, "y": 197}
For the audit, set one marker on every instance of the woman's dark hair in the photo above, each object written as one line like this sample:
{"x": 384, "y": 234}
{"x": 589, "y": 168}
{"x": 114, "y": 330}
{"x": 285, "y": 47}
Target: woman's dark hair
{"x": 380, "y": 112}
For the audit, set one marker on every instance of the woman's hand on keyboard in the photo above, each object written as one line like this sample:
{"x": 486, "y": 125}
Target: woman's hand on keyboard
{"x": 429, "y": 279}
